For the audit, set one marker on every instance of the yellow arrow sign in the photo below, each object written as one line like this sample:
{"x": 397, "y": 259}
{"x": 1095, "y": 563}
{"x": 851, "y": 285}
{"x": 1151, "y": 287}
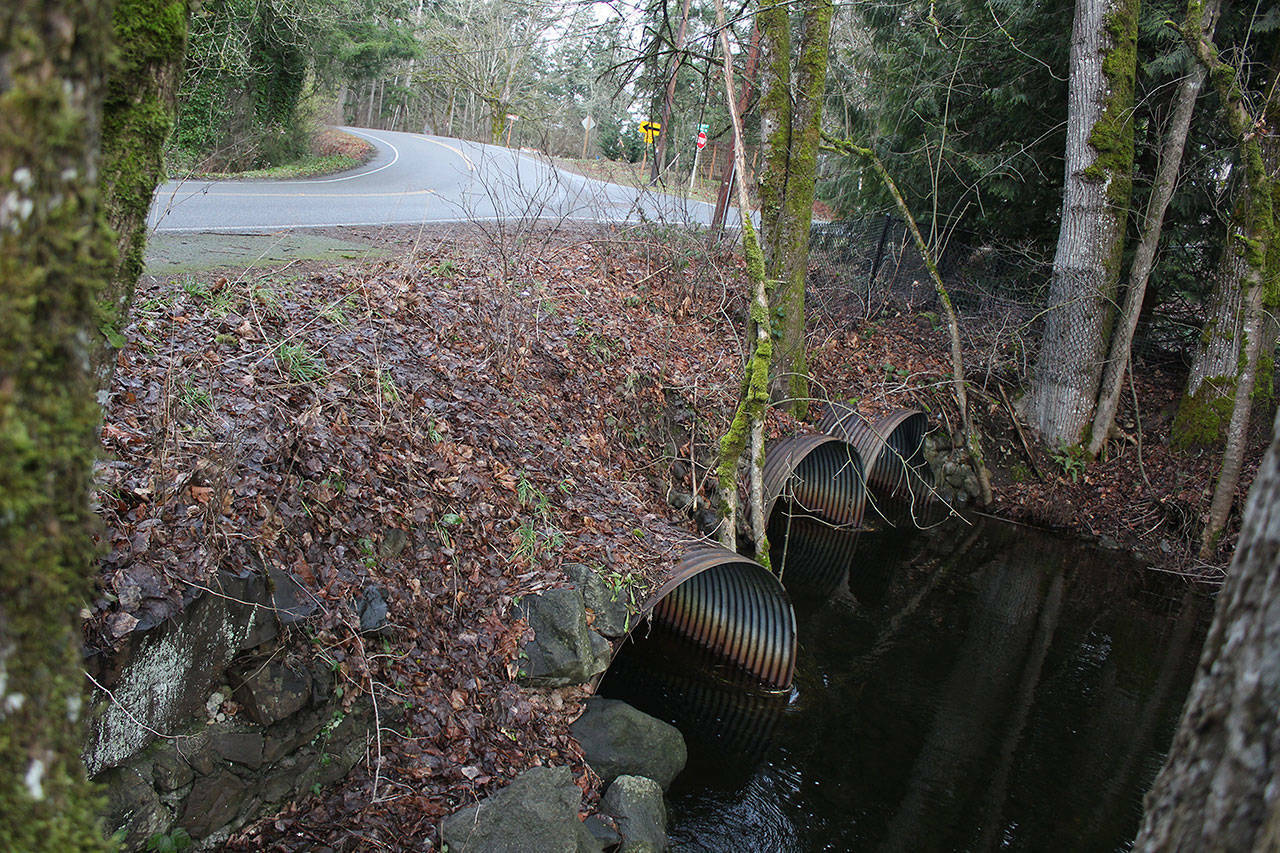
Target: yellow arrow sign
{"x": 650, "y": 129}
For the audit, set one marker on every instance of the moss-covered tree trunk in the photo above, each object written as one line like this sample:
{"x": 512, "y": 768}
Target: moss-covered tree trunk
{"x": 1253, "y": 237}
{"x": 791, "y": 123}
{"x": 748, "y": 419}
{"x": 1205, "y": 410}
{"x": 55, "y": 256}
{"x": 1144, "y": 256}
{"x": 1205, "y": 406}
{"x": 1086, "y": 266}
{"x": 137, "y": 116}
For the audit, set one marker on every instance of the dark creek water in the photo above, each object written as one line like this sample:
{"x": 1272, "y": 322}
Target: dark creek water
{"x": 966, "y": 688}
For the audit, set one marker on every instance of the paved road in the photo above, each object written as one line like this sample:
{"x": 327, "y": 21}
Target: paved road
{"x": 413, "y": 179}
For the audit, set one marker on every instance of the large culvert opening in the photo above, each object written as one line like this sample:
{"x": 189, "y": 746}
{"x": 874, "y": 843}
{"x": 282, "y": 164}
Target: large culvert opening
{"x": 899, "y": 481}
{"x": 714, "y": 656}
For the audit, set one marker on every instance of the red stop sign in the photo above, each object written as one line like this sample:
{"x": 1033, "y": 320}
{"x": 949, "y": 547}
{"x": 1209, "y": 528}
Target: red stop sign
{"x": 702, "y": 140}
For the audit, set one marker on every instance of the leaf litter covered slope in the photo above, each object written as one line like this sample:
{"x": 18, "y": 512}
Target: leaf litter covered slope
{"x": 456, "y": 437}
{"x": 427, "y": 427}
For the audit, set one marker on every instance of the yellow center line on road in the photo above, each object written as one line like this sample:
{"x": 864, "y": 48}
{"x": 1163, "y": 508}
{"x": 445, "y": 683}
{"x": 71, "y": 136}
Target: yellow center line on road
{"x": 471, "y": 167}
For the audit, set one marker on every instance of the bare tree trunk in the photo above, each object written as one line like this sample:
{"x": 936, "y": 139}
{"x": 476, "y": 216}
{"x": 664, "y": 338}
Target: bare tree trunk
{"x": 55, "y": 257}
{"x": 959, "y": 385}
{"x": 1152, "y": 223}
{"x": 1218, "y": 787}
{"x": 664, "y": 133}
{"x": 744, "y": 100}
{"x": 341, "y": 100}
{"x": 395, "y": 112}
{"x": 1238, "y": 427}
{"x": 749, "y": 417}
{"x": 1086, "y": 266}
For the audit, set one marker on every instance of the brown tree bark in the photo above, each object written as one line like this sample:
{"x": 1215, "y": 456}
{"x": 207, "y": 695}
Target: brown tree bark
{"x": 1086, "y": 266}
{"x": 55, "y": 256}
{"x": 664, "y": 133}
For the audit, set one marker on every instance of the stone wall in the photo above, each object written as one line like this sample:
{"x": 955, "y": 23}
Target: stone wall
{"x": 206, "y": 720}
{"x": 954, "y": 477}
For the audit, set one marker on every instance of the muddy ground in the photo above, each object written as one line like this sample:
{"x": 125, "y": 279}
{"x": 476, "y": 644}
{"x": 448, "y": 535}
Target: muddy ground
{"x": 456, "y": 420}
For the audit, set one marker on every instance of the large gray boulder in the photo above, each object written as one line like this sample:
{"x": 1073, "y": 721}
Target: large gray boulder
{"x": 618, "y": 740}
{"x": 610, "y": 606}
{"x": 564, "y": 650}
{"x": 537, "y": 811}
{"x": 637, "y": 804}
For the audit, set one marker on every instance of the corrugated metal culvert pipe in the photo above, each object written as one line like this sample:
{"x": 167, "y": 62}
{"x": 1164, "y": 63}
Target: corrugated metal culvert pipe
{"x": 716, "y": 655}
{"x": 735, "y": 610}
{"x": 718, "y": 647}
{"x": 738, "y": 718}
{"x": 816, "y": 475}
{"x": 813, "y": 556}
{"x": 892, "y": 451}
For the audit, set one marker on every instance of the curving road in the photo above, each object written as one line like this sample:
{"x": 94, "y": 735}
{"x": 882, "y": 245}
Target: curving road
{"x": 414, "y": 179}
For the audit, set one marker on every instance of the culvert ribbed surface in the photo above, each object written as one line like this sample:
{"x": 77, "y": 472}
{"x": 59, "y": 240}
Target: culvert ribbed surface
{"x": 813, "y": 556}
{"x": 719, "y": 643}
{"x": 738, "y": 719}
{"x": 733, "y": 609}
{"x": 818, "y": 475}
{"x": 892, "y": 451}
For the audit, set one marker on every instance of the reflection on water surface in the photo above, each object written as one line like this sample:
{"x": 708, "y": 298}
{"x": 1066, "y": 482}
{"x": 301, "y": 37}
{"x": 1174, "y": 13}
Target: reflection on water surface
{"x": 963, "y": 688}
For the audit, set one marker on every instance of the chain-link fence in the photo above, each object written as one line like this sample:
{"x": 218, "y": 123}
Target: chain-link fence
{"x": 861, "y": 267}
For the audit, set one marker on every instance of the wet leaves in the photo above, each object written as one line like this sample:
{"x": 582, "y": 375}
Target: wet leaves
{"x": 382, "y": 425}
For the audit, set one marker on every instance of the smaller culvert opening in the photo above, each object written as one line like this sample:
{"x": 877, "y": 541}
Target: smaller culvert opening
{"x": 716, "y": 655}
